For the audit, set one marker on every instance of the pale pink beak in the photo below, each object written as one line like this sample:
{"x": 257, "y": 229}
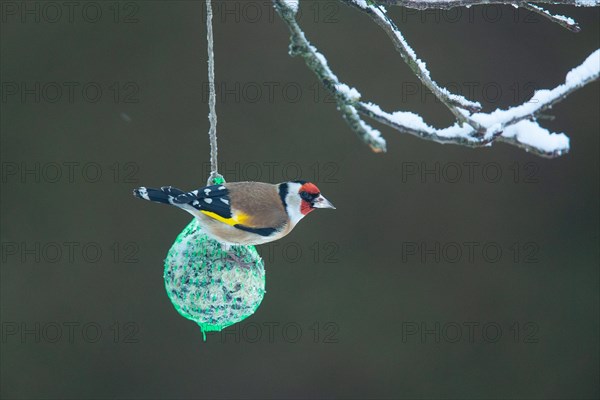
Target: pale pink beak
{"x": 322, "y": 202}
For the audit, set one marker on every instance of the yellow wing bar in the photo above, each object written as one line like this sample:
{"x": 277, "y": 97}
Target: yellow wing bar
{"x": 238, "y": 218}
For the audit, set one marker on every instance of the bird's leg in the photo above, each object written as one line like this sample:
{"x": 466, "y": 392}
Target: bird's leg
{"x": 239, "y": 261}
{"x": 227, "y": 248}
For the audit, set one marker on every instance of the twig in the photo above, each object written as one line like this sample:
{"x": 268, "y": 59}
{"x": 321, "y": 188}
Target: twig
{"x": 419, "y": 68}
{"x": 299, "y": 45}
{"x": 516, "y": 126}
{"x": 447, "y": 4}
{"x": 501, "y": 125}
{"x": 565, "y": 22}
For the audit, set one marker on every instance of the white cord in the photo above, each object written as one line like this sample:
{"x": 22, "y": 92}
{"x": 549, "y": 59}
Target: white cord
{"x": 212, "y": 100}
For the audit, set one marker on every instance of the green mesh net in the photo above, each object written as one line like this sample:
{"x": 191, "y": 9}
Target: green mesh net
{"x": 209, "y": 285}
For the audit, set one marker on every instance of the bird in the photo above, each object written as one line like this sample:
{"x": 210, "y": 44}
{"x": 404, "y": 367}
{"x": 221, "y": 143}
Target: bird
{"x": 243, "y": 213}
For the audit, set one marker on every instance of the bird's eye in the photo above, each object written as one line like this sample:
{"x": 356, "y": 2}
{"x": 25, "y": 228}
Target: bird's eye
{"x": 306, "y": 196}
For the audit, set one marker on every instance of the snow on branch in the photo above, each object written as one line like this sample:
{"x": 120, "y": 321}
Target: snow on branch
{"x": 454, "y": 102}
{"x": 447, "y": 4}
{"x": 318, "y": 64}
{"x": 565, "y": 22}
{"x": 517, "y": 125}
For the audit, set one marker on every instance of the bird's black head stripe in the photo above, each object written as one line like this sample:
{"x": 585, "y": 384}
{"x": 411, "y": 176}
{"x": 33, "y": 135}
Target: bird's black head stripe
{"x": 283, "y": 191}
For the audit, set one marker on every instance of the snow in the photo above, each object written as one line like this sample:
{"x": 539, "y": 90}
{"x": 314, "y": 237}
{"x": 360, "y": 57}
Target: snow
{"x": 292, "y": 4}
{"x": 320, "y": 56}
{"x": 589, "y": 68}
{"x": 567, "y": 20}
{"x": 404, "y": 118}
{"x": 517, "y": 124}
{"x": 458, "y": 99}
{"x": 578, "y": 76}
{"x": 523, "y": 130}
{"x": 587, "y": 3}
{"x": 579, "y": 3}
{"x": 526, "y": 132}
{"x": 415, "y": 122}
{"x": 349, "y": 92}
{"x": 530, "y": 133}
{"x": 361, "y": 3}
{"x": 374, "y": 133}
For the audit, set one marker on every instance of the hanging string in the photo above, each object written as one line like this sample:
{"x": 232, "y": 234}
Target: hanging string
{"x": 215, "y": 178}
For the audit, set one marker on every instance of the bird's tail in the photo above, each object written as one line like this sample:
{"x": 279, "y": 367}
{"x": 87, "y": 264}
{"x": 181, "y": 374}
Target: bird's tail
{"x": 165, "y": 194}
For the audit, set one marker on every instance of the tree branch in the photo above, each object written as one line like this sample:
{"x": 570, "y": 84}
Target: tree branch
{"x": 516, "y": 125}
{"x": 447, "y": 4}
{"x": 565, "y": 22}
{"x": 419, "y": 68}
{"x": 299, "y": 45}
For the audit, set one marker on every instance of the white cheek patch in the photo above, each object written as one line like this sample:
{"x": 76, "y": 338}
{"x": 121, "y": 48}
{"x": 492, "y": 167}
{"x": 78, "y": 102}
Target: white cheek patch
{"x": 294, "y": 203}
{"x": 295, "y": 215}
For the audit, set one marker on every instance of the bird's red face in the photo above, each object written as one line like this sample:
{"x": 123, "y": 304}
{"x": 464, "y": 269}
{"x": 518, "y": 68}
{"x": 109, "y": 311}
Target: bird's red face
{"x": 312, "y": 198}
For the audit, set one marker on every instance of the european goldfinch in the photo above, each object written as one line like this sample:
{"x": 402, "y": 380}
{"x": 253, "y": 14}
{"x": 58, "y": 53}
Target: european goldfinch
{"x": 244, "y": 213}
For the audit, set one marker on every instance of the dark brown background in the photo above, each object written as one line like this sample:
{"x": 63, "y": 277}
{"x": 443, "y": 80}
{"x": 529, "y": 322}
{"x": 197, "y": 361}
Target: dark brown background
{"x": 363, "y": 288}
